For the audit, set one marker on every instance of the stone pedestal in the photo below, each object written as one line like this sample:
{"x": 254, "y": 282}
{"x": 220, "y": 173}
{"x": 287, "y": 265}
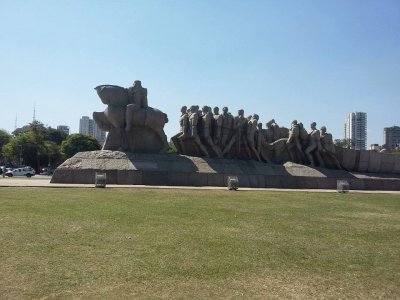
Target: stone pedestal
{"x": 179, "y": 170}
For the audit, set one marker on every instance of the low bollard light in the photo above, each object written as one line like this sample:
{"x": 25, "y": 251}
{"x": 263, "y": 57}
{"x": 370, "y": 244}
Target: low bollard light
{"x": 100, "y": 180}
{"x": 233, "y": 183}
{"x": 343, "y": 186}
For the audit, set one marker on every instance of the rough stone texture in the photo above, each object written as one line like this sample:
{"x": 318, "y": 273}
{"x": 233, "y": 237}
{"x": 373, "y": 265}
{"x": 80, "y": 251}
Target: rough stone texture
{"x": 180, "y": 170}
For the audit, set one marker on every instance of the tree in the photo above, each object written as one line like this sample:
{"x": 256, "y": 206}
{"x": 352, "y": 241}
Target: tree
{"x": 78, "y": 143}
{"x": 343, "y": 143}
{"x": 22, "y": 149}
{"x": 54, "y": 135}
{"x": 34, "y": 145}
{"x": 4, "y": 139}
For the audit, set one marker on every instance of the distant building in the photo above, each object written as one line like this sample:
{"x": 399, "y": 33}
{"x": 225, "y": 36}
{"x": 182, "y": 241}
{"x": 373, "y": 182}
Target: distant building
{"x": 375, "y": 147}
{"x": 355, "y": 129}
{"x": 63, "y": 128}
{"x": 88, "y": 126}
{"x": 391, "y": 137}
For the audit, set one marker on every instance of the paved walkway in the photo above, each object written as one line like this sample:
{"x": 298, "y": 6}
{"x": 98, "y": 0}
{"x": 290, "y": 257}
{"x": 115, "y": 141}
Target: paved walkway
{"x": 44, "y": 181}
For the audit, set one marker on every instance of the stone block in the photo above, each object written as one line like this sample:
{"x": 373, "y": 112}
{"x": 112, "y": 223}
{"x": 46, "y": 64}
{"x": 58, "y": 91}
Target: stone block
{"x": 363, "y": 161}
{"x": 129, "y": 177}
{"x": 261, "y": 181}
{"x": 273, "y": 181}
{"x": 307, "y": 182}
{"x": 289, "y": 182}
{"x": 373, "y": 184}
{"x": 349, "y": 159}
{"x": 391, "y": 185}
{"x": 326, "y": 183}
{"x": 356, "y": 184}
{"x": 388, "y": 162}
{"x": 155, "y": 178}
{"x": 215, "y": 179}
{"x": 196, "y": 179}
{"x": 253, "y": 181}
{"x": 339, "y": 153}
{"x": 85, "y": 176}
{"x": 62, "y": 176}
{"x": 396, "y": 167}
{"x": 374, "y": 163}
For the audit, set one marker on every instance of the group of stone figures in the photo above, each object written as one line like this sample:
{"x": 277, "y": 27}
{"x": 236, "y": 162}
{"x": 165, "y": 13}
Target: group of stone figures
{"x": 211, "y": 134}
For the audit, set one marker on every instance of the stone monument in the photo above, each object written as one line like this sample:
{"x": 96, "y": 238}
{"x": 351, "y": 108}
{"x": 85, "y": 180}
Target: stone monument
{"x": 212, "y": 147}
{"x": 133, "y": 126}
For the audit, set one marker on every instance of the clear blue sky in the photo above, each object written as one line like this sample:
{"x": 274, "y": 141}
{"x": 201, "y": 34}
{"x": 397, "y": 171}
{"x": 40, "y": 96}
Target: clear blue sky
{"x": 305, "y": 60}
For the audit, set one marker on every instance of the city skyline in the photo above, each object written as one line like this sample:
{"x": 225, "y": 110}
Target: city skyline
{"x": 303, "y": 60}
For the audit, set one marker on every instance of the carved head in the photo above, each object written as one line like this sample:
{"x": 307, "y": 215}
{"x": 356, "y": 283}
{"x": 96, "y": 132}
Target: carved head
{"x": 313, "y": 125}
{"x": 216, "y": 110}
{"x": 225, "y": 110}
{"x": 184, "y": 109}
{"x": 241, "y": 112}
{"x": 255, "y": 116}
{"x": 323, "y": 129}
{"x": 137, "y": 83}
{"x": 301, "y": 126}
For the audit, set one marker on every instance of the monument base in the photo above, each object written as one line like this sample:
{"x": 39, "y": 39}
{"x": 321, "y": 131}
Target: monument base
{"x": 179, "y": 170}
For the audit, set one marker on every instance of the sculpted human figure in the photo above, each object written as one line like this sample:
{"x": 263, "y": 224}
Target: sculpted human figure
{"x": 303, "y": 136}
{"x": 272, "y": 131}
{"x": 178, "y": 139}
{"x": 206, "y": 124}
{"x": 193, "y": 130}
{"x": 328, "y": 147}
{"x": 240, "y": 125}
{"x": 138, "y": 99}
{"x": 293, "y": 143}
{"x": 314, "y": 145}
{"x": 261, "y": 143}
{"x": 251, "y": 131}
{"x": 227, "y": 126}
{"x": 217, "y": 126}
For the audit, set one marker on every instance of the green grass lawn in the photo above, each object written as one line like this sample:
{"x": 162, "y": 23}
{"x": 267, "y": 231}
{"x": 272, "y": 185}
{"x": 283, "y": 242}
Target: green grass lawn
{"x": 155, "y": 243}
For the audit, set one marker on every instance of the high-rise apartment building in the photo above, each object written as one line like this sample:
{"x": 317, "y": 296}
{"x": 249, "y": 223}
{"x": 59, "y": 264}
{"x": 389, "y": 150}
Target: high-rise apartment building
{"x": 88, "y": 126}
{"x": 391, "y": 137}
{"x": 63, "y": 128}
{"x": 355, "y": 130}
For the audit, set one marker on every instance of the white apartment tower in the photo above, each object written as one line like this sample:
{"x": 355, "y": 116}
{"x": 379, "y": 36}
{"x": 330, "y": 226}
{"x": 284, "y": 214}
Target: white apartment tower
{"x": 88, "y": 126}
{"x": 355, "y": 130}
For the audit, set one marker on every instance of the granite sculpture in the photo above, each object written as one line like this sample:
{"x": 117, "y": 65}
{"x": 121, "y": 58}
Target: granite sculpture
{"x": 210, "y": 134}
{"x": 132, "y": 125}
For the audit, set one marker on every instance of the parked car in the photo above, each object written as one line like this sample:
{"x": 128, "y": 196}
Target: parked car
{"x": 47, "y": 171}
{"x": 25, "y": 171}
{"x": 6, "y": 169}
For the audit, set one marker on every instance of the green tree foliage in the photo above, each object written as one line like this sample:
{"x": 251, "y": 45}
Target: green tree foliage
{"x": 4, "y": 139}
{"x": 77, "y": 143}
{"x": 35, "y": 145}
{"x": 54, "y": 135}
{"x": 343, "y": 143}
{"x": 22, "y": 149}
